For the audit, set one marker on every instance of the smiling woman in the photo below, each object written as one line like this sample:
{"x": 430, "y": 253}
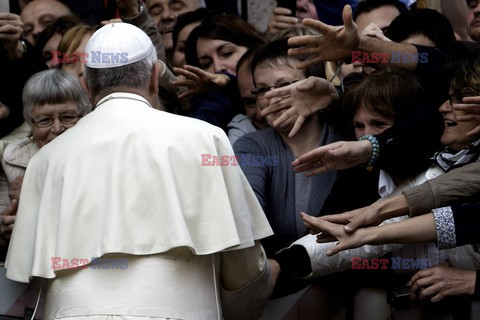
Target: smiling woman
{"x": 219, "y": 42}
{"x": 53, "y": 102}
{"x": 212, "y": 52}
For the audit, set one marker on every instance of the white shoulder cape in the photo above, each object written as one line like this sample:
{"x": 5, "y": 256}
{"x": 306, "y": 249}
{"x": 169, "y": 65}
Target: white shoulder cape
{"x": 128, "y": 178}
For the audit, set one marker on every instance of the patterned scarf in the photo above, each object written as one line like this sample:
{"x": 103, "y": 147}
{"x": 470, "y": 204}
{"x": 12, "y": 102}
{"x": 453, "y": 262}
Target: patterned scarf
{"x": 447, "y": 160}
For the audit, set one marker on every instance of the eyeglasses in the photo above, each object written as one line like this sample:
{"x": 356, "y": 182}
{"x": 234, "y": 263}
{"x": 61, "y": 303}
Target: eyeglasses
{"x": 260, "y": 91}
{"x": 48, "y": 122}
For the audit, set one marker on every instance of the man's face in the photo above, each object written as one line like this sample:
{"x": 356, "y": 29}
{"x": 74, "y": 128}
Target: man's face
{"x": 473, "y": 19}
{"x": 381, "y": 16}
{"x": 38, "y": 14}
{"x": 165, "y": 13}
{"x": 245, "y": 86}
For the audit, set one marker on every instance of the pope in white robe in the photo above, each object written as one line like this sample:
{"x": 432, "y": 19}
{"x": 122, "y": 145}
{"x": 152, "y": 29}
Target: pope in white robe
{"x": 127, "y": 183}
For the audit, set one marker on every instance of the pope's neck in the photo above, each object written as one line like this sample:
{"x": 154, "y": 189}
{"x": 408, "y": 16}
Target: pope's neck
{"x": 151, "y": 99}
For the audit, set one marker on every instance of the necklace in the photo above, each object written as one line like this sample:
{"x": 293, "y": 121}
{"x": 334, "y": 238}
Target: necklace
{"x": 129, "y": 98}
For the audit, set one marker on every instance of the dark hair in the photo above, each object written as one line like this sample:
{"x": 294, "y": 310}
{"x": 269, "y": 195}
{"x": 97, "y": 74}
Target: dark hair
{"x": 428, "y": 22}
{"x": 366, "y": 6}
{"x": 389, "y": 92}
{"x": 247, "y": 57}
{"x": 185, "y": 19}
{"x": 275, "y": 53}
{"x": 222, "y": 27}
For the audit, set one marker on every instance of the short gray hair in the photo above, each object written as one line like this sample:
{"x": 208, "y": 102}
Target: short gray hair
{"x": 201, "y": 4}
{"x": 134, "y": 75}
{"x": 52, "y": 87}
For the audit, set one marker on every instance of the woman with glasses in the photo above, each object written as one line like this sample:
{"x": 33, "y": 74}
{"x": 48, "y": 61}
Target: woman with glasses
{"x": 265, "y": 156}
{"x": 53, "y": 101}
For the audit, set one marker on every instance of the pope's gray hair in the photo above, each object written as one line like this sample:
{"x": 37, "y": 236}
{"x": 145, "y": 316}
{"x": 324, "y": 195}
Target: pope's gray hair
{"x": 53, "y": 87}
{"x": 135, "y": 75}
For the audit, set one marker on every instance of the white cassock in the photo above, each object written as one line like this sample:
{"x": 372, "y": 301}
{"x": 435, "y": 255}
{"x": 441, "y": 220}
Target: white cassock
{"x": 127, "y": 182}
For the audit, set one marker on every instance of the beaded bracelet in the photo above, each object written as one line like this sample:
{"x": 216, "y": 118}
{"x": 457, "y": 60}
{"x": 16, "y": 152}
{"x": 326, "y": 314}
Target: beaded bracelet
{"x": 375, "y": 151}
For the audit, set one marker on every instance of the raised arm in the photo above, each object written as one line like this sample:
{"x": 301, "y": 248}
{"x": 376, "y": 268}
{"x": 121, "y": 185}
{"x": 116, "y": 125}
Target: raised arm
{"x": 414, "y": 230}
{"x": 337, "y": 43}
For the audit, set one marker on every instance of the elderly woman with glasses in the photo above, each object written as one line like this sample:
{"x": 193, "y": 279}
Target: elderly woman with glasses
{"x": 53, "y": 101}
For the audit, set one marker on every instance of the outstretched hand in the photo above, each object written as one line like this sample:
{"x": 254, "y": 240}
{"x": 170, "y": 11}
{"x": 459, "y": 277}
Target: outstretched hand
{"x": 441, "y": 281}
{"x": 471, "y": 109}
{"x": 281, "y": 19}
{"x": 304, "y": 98}
{"x": 335, "y": 232}
{"x": 334, "y": 156}
{"x": 335, "y": 43}
{"x": 374, "y": 31}
{"x": 7, "y": 219}
{"x": 11, "y": 29}
{"x": 198, "y": 81}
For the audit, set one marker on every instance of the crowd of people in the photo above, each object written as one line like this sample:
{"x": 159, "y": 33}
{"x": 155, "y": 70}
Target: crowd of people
{"x": 235, "y": 170}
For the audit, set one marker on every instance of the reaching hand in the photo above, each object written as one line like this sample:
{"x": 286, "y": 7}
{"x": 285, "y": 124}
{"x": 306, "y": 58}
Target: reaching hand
{"x": 198, "y": 81}
{"x": 275, "y": 270}
{"x": 7, "y": 219}
{"x": 281, "y": 19}
{"x": 371, "y": 215}
{"x": 374, "y": 31}
{"x": 335, "y": 43}
{"x": 471, "y": 107}
{"x": 335, "y": 231}
{"x": 4, "y": 111}
{"x": 11, "y": 29}
{"x": 441, "y": 281}
{"x": 335, "y": 156}
{"x": 14, "y": 187}
{"x": 304, "y": 97}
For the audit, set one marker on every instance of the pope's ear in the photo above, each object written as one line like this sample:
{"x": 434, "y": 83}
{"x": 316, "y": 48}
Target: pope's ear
{"x": 86, "y": 88}
{"x": 157, "y": 70}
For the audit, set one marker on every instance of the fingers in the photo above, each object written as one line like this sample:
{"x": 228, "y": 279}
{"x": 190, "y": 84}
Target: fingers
{"x": 12, "y": 210}
{"x": 297, "y": 126}
{"x": 284, "y": 22}
{"x": 279, "y": 92}
{"x": 186, "y": 93}
{"x": 281, "y": 11}
{"x": 316, "y": 24}
{"x": 341, "y": 218}
{"x": 195, "y": 70}
{"x": 186, "y": 73}
{"x": 347, "y": 18}
{"x": 310, "y": 61}
{"x": 473, "y": 100}
{"x": 308, "y": 84}
{"x": 417, "y": 277}
{"x": 317, "y": 224}
{"x": 474, "y": 132}
{"x": 275, "y": 106}
{"x": 470, "y": 108}
{"x": 356, "y": 222}
{"x": 314, "y": 155}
